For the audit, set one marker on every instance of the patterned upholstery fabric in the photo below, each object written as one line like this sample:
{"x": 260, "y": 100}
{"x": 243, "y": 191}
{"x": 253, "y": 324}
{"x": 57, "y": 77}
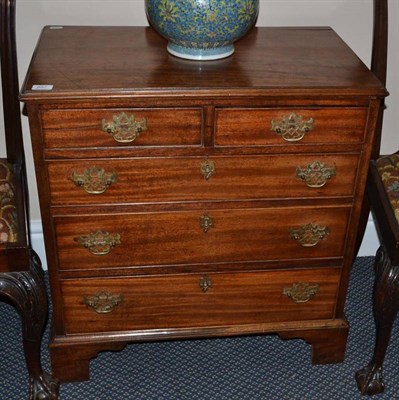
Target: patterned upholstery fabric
{"x": 388, "y": 168}
{"x": 8, "y": 214}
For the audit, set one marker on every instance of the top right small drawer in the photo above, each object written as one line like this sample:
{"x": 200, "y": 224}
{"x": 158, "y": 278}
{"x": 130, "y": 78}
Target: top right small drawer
{"x": 271, "y": 126}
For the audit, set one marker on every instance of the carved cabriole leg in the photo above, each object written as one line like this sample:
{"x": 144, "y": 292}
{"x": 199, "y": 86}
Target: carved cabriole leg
{"x": 26, "y": 292}
{"x": 386, "y": 303}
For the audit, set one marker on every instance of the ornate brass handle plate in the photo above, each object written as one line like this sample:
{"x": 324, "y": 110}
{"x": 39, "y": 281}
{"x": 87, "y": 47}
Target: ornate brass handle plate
{"x": 316, "y": 174}
{"x": 205, "y": 283}
{"x": 206, "y": 223}
{"x": 292, "y": 128}
{"x": 301, "y": 292}
{"x": 94, "y": 180}
{"x": 124, "y": 129}
{"x": 310, "y": 234}
{"x": 208, "y": 169}
{"x": 103, "y": 302}
{"x": 99, "y": 243}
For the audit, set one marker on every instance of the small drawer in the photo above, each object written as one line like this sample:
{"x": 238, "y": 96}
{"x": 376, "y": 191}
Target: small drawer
{"x": 122, "y": 127}
{"x": 204, "y": 236}
{"x": 266, "y": 127}
{"x": 184, "y": 301}
{"x": 152, "y": 180}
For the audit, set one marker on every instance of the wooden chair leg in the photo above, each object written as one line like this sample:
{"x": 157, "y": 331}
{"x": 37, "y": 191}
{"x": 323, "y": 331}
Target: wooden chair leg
{"x": 26, "y": 292}
{"x": 386, "y": 303}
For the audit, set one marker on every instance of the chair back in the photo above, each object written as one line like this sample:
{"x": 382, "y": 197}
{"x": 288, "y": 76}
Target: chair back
{"x": 10, "y": 85}
{"x": 12, "y": 118}
{"x": 379, "y": 59}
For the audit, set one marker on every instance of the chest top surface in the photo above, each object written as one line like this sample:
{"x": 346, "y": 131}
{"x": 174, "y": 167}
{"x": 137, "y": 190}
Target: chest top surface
{"x": 99, "y": 61}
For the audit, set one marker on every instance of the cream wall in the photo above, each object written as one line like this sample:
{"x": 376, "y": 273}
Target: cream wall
{"x": 352, "y": 19}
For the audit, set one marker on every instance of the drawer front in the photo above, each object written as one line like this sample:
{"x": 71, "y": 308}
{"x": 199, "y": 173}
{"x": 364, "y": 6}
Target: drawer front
{"x": 122, "y": 127}
{"x": 162, "y": 302}
{"x": 261, "y": 127}
{"x": 214, "y": 236}
{"x": 141, "y": 180}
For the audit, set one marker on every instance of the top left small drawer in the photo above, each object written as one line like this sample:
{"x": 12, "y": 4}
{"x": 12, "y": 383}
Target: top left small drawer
{"x": 68, "y": 128}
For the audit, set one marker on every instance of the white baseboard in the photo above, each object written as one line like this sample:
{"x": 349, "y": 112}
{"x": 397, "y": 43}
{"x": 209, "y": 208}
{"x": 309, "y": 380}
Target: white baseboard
{"x": 368, "y": 248}
{"x": 36, "y": 231}
{"x": 370, "y": 242}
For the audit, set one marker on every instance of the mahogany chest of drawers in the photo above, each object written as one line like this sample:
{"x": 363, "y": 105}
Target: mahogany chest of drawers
{"x": 197, "y": 199}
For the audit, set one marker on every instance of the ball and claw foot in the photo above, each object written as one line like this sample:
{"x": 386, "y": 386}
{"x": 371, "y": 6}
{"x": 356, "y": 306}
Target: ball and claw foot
{"x": 370, "y": 380}
{"x": 44, "y": 387}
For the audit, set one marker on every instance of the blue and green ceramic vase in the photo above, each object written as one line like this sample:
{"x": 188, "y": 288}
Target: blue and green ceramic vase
{"x": 202, "y": 29}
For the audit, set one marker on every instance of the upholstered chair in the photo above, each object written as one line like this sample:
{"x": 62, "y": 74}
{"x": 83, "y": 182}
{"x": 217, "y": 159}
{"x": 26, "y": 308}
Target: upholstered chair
{"x": 21, "y": 276}
{"x": 383, "y": 197}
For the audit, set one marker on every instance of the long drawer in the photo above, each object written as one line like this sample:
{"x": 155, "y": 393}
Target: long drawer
{"x": 162, "y": 302}
{"x": 261, "y": 127}
{"x": 168, "y": 238}
{"x": 122, "y": 127}
{"x": 146, "y": 180}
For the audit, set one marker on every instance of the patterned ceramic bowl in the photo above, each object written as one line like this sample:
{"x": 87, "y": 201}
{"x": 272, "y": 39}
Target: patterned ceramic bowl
{"x": 202, "y": 29}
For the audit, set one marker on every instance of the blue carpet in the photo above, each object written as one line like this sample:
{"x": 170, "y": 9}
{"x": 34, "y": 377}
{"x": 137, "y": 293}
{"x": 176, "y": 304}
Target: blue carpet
{"x": 247, "y": 368}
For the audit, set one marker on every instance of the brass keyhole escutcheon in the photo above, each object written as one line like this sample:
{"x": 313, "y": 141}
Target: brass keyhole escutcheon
{"x": 205, "y": 283}
{"x": 206, "y": 223}
{"x": 208, "y": 169}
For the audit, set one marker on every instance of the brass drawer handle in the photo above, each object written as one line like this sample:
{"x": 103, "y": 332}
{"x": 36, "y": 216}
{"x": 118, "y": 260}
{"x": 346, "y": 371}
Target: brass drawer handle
{"x": 310, "y": 234}
{"x": 292, "y": 128}
{"x": 316, "y": 174}
{"x": 301, "y": 292}
{"x": 103, "y": 302}
{"x": 99, "y": 243}
{"x": 205, "y": 283}
{"x": 206, "y": 223}
{"x": 208, "y": 169}
{"x": 94, "y": 180}
{"x": 124, "y": 129}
